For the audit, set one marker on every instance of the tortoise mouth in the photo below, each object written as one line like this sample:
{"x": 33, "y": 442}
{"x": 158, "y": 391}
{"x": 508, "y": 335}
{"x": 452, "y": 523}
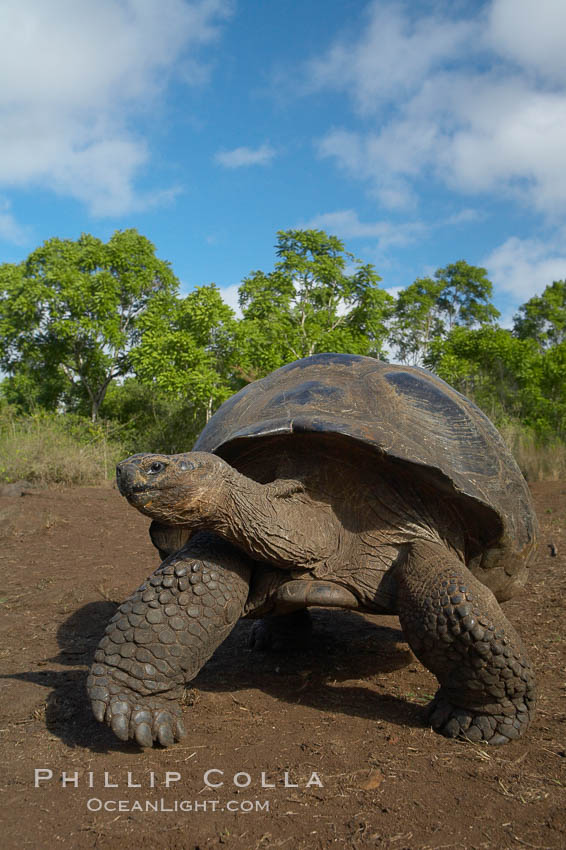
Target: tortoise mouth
{"x": 142, "y": 488}
{"x": 145, "y": 489}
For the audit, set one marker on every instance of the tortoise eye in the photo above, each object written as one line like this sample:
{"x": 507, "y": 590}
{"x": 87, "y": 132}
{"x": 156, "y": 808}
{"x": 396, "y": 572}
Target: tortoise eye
{"x": 156, "y": 466}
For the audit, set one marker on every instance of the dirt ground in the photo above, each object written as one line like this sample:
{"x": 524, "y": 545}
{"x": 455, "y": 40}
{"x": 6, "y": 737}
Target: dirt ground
{"x": 337, "y": 731}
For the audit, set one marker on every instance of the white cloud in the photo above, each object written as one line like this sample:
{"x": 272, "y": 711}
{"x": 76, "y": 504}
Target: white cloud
{"x": 244, "y": 156}
{"x": 382, "y": 161}
{"x": 465, "y": 216}
{"x": 524, "y": 267}
{"x": 531, "y": 36}
{"x": 395, "y": 52}
{"x": 10, "y": 230}
{"x": 511, "y": 138}
{"x": 72, "y": 76}
{"x": 230, "y": 296}
{"x": 346, "y": 225}
{"x": 394, "y": 291}
{"x": 462, "y": 101}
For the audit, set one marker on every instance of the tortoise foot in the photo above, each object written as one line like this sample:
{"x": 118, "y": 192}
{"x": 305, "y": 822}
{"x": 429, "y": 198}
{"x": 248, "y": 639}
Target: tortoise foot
{"x": 289, "y": 633}
{"x": 131, "y": 716}
{"x": 503, "y": 723}
{"x": 162, "y": 635}
{"x": 456, "y": 628}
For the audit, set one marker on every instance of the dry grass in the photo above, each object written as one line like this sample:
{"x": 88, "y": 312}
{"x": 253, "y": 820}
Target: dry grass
{"x": 45, "y": 451}
{"x": 538, "y": 459}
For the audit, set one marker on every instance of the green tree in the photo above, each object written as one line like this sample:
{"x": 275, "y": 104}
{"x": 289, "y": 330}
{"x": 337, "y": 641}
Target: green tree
{"x": 417, "y": 320}
{"x": 32, "y": 387}
{"x": 508, "y": 378}
{"x": 457, "y": 296}
{"x": 465, "y": 295}
{"x": 72, "y": 310}
{"x": 551, "y": 395}
{"x": 543, "y": 317}
{"x": 186, "y": 352}
{"x": 312, "y": 302}
{"x": 146, "y": 419}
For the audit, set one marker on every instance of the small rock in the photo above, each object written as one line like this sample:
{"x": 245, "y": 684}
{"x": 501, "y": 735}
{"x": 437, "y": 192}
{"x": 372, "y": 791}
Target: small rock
{"x": 17, "y": 488}
{"x": 373, "y": 781}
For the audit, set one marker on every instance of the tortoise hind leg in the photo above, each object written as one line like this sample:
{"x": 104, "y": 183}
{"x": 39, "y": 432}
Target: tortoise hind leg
{"x": 162, "y": 635}
{"x": 456, "y": 628}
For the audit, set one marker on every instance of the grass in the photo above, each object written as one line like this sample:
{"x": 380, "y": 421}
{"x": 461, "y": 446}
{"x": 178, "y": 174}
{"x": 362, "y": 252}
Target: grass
{"x": 538, "y": 459}
{"x": 53, "y": 449}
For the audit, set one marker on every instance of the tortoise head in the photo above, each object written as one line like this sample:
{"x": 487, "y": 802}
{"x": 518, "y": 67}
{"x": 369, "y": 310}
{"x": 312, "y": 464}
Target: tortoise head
{"x": 174, "y": 489}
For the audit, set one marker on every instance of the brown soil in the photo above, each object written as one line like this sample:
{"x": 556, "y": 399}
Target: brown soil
{"x": 350, "y": 711}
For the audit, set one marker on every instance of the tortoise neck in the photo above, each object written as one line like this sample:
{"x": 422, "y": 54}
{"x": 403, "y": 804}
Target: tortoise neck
{"x": 278, "y": 522}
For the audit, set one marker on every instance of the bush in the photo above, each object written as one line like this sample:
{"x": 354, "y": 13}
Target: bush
{"x": 49, "y": 448}
{"x": 149, "y": 421}
{"x": 539, "y": 459}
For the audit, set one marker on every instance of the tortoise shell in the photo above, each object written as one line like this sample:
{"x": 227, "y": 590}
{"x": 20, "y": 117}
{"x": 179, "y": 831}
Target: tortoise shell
{"x": 412, "y": 418}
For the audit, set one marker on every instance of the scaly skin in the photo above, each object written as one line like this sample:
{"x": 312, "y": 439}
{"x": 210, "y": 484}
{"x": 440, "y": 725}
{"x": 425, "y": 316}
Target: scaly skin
{"x": 162, "y": 635}
{"x": 456, "y": 628}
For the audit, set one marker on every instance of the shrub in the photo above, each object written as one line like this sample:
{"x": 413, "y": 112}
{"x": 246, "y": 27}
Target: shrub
{"x": 49, "y": 448}
{"x": 539, "y": 458}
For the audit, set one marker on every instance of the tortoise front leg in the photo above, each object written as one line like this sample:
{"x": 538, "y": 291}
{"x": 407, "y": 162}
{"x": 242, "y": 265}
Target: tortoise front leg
{"x": 162, "y": 635}
{"x": 456, "y": 628}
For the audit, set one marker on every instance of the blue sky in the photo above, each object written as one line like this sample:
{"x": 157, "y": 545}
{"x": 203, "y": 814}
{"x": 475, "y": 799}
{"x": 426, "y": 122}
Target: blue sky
{"x": 418, "y": 132}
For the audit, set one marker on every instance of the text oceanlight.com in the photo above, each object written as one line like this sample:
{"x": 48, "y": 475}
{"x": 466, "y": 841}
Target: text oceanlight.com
{"x": 94, "y": 804}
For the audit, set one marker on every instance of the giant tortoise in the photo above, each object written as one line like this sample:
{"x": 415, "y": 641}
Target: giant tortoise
{"x": 336, "y": 481}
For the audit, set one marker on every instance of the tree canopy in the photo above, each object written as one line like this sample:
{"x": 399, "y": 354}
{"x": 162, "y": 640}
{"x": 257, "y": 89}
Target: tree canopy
{"x": 508, "y": 377}
{"x": 319, "y": 297}
{"x": 543, "y": 317}
{"x": 457, "y": 296}
{"x": 70, "y": 312}
{"x": 102, "y": 327}
{"x": 186, "y": 349}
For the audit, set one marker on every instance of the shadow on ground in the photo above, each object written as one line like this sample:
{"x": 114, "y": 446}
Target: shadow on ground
{"x": 345, "y": 648}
